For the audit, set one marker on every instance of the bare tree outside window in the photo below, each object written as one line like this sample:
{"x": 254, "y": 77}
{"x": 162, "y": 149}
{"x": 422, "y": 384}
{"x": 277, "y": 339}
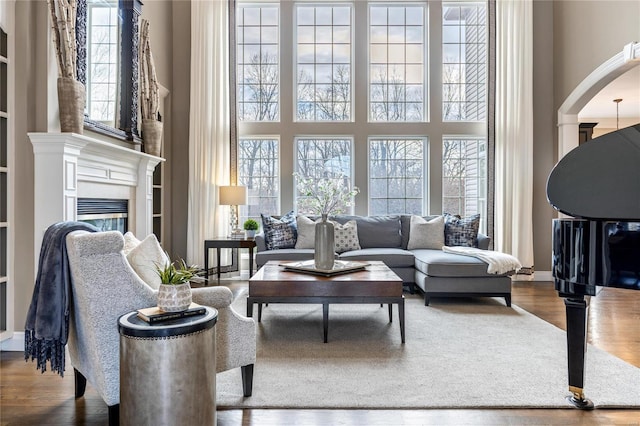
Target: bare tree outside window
{"x": 396, "y": 63}
{"x": 102, "y": 64}
{"x": 258, "y": 63}
{"x": 258, "y": 170}
{"x": 322, "y": 159}
{"x": 320, "y": 128}
{"x": 323, "y": 63}
{"x": 396, "y": 176}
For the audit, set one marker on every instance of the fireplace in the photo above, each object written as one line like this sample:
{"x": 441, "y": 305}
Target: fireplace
{"x": 70, "y": 169}
{"x": 103, "y": 213}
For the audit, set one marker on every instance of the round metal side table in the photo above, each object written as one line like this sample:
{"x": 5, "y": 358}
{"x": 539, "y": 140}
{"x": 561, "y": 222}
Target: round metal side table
{"x": 168, "y": 370}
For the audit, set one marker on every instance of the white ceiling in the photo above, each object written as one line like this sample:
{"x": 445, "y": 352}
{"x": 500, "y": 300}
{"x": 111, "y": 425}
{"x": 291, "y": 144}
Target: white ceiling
{"x": 602, "y": 110}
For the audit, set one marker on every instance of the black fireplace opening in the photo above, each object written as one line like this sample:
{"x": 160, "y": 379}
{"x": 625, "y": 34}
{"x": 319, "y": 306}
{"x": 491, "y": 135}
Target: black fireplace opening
{"x": 104, "y": 213}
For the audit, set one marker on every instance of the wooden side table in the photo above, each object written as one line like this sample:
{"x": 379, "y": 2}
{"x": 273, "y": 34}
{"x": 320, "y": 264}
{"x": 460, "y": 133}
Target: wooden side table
{"x": 168, "y": 370}
{"x": 219, "y": 243}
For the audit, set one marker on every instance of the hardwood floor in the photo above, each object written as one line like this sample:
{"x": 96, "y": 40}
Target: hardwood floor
{"x": 30, "y": 398}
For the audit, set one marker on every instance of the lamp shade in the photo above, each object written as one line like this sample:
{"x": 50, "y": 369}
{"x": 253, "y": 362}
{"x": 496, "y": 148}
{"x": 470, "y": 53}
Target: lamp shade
{"x": 233, "y": 195}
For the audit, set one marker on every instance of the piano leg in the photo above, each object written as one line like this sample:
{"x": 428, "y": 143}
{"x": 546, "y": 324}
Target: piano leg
{"x": 576, "y": 349}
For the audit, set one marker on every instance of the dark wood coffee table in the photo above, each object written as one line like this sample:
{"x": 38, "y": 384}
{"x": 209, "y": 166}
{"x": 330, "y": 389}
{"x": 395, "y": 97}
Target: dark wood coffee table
{"x": 376, "y": 284}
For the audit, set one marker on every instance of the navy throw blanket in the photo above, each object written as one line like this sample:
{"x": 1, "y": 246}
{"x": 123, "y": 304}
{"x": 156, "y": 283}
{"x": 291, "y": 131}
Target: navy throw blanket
{"x": 47, "y": 325}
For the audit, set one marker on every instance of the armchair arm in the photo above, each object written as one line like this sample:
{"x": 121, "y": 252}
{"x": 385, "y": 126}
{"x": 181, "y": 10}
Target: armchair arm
{"x": 260, "y": 243}
{"x": 215, "y": 297}
{"x": 483, "y": 241}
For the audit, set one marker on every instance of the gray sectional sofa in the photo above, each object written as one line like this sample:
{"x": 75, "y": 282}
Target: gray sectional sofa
{"x": 436, "y": 273}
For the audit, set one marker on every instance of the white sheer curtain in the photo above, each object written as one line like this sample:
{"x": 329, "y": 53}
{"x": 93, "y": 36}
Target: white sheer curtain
{"x": 208, "y": 124}
{"x": 514, "y": 130}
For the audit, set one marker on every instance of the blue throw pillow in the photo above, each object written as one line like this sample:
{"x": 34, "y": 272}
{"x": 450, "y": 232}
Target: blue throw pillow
{"x": 461, "y": 232}
{"x": 280, "y": 233}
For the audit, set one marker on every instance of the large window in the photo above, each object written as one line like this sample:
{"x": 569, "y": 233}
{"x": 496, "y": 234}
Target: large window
{"x": 396, "y": 63}
{"x": 396, "y": 176}
{"x": 464, "y": 62}
{"x": 353, "y": 91}
{"x": 258, "y": 61}
{"x": 102, "y": 61}
{"x": 259, "y": 172}
{"x": 464, "y": 176}
{"x": 323, "y": 60}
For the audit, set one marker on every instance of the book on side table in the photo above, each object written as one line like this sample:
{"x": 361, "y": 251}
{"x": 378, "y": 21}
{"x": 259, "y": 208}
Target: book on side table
{"x": 154, "y": 314}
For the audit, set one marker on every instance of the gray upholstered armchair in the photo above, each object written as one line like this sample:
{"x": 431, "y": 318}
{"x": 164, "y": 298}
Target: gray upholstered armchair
{"x": 104, "y": 287}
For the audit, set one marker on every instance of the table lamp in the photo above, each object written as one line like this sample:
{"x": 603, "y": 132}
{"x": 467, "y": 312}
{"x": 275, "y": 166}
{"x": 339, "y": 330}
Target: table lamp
{"x": 233, "y": 196}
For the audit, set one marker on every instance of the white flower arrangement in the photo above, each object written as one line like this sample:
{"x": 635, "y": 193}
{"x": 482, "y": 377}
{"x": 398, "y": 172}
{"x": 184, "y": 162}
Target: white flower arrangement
{"x": 325, "y": 195}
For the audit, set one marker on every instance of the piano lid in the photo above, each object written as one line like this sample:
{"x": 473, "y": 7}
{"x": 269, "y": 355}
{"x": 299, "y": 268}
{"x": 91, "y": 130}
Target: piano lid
{"x": 600, "y": 179}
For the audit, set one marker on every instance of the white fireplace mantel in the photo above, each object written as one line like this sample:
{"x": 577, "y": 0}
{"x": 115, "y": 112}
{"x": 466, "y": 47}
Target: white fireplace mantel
{"x": 68, "y": 166}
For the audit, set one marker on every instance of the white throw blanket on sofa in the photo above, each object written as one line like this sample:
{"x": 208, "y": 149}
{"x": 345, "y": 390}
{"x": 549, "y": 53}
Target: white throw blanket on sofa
{"x": 499, "y": 263}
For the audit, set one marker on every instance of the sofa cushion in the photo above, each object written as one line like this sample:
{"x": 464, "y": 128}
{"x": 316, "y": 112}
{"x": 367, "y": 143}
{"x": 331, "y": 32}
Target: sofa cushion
{"x": 375, "y": 231}
{"x": 145, "y": 258}
{"x": 461, "y": 232}
{"x": 279, "y": 233}
{"x": 286, "y": 255}
{"x": 346, "y": 236}
{"x": 306, "y": 232}
{"x": 392, "y": 257}
{"x": 426, "y": 234}
{"x": 437, "y": 263}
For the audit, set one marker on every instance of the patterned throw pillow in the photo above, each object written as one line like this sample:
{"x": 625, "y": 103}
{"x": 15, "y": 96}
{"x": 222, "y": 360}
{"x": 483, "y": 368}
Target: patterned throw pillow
{"x": 461, "y": 232}
{"x": 426, "y": 234}
{"x": 280, "y": 233}
{"x": 346, "y": 236}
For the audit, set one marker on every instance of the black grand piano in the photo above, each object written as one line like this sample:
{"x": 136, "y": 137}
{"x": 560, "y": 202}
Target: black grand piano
{"x": 598, "y": 184}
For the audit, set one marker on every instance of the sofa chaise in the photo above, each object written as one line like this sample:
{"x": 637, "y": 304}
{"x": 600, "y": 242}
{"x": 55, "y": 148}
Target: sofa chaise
{"x": 386, "y": 238}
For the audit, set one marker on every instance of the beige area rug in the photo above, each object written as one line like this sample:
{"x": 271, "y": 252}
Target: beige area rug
{"x": 466, "y": 353}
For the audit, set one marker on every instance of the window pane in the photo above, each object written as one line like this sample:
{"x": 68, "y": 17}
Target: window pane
{"x": 324, "y": 40}
{"x": 396, "y": 176}
{"x": 258, "y": 165}
{"x": 102, "y": 60}
{"x": 257, "y": 62}
{"x": 396, "y": 40}
{"x": 464, "y": 174}
{"x": 464, "y": 58}
{"x": 328, "y": 159}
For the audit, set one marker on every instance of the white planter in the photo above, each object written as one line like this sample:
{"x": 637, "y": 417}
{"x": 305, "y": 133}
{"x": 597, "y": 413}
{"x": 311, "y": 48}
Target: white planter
{"x": 174, "y": 297}
{"x": 250, "y": 234}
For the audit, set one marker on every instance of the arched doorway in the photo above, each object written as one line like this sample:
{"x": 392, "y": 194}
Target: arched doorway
{"x": 622, "y": 62}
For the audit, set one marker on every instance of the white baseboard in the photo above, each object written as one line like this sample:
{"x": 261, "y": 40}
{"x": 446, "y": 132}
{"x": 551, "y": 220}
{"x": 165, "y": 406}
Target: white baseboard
{"x": 14, "y": 344}
{"x": 543, "y": 276}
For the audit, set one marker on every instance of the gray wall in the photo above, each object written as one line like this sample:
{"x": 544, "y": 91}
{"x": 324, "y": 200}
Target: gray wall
{"x": 36, "y": 111}
{"x": 571, "y": 38}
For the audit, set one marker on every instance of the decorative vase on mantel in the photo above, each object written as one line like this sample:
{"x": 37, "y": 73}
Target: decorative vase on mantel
{"x": 152, "y": 136}
{"x": 71, "y": 102}
{"x": 174, "y": 297}
{"x": 324, "y": 254}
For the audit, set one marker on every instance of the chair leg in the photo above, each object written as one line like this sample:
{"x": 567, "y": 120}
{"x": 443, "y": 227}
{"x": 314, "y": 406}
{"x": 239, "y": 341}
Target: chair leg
{"x": 114, "y": 415}
{"x": 507, "y": 299}
{"x": 426, "y": 300}
{"x": 80, "y": 383}
{"x": 247, "y": 379}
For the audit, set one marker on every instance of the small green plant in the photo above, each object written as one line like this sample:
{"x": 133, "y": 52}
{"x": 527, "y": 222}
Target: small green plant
{"x": 250, "y": 225}
{"x": 176, "y": 272}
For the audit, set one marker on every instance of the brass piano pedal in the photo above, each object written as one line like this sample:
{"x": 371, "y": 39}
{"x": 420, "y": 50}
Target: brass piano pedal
{"x": 578, "y": 400}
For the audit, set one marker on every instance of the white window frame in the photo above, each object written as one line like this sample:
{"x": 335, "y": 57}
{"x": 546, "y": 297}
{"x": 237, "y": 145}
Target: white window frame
{"x": 433, "y": 128}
